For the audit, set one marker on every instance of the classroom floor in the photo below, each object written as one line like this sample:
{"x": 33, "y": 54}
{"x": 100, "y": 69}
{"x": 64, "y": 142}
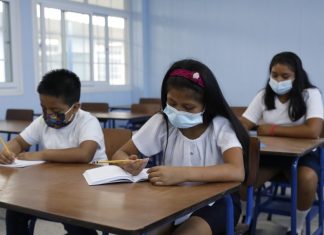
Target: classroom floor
{"x": 276, "y": 227}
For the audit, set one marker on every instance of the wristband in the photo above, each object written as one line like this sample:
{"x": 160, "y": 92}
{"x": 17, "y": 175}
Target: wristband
{"x": 272, "y": 130}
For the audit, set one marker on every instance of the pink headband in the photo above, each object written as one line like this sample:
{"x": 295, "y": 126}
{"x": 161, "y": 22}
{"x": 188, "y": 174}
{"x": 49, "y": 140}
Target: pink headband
{"x": 190, "y": 75}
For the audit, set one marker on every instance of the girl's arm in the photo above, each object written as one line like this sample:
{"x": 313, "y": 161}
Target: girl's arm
{"x": 310, "y": 129}
{"x": 231, "y": 170}
{"x": 82, "y": 154}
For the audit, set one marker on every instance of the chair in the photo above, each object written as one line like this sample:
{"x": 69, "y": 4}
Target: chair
{"x": 19, "y": 114}
{"x": 96, "y": 107}
{"x": 150, "y": 109}
{"x": 252, "y": 172}
{"x": 272, "y": 203}
{"x": 150, "y": 101}
{"x": 115, "y": 138}
{"x": 238, "y": 110}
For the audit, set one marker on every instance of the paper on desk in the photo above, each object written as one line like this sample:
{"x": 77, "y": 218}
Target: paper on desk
{"x": 22, "y": 163}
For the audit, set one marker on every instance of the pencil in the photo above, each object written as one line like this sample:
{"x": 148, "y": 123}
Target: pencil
{"x": 114, "y": 161}
{"x": 5, "y": 146}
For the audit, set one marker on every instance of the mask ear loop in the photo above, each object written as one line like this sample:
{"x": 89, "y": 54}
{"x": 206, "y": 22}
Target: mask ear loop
{"x": 69, "y": 111}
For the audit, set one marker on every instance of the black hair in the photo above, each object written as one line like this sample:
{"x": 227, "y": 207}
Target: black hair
{"x": 61, "y": 83}
{"x": 297, "y": 106}
{"x": 210, "y": 96}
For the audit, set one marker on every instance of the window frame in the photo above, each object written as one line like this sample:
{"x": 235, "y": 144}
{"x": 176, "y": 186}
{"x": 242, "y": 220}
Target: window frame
{"x": 87, "y": 86}
{"x": 15, "y": 87}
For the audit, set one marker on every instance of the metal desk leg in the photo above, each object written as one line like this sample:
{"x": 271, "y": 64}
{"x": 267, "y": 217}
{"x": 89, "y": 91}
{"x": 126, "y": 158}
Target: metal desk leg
{"x": 293, "y": 195}
{"x": 229, "y": 215}
{"x": 320, "y": 196}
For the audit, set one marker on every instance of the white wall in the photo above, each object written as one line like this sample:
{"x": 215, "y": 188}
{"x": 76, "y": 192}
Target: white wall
{"x": 236, "y": 39}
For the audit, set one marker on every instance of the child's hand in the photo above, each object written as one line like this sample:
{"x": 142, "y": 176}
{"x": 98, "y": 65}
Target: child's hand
{"x": 163, "y": 175}
{"x": 136, "y": 166}
{"x": 7, "y": 157}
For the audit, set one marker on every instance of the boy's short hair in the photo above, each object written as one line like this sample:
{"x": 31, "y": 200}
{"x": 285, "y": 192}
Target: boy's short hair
{"x": 61, "y": 83}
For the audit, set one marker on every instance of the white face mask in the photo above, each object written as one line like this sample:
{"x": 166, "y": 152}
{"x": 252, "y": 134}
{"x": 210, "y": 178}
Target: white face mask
{"x": 280, "y": 88}
{"x": 181, "y": 119}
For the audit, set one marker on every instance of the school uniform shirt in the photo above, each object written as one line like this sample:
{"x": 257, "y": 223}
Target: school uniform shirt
{"x": 205, "y": 150}
{"x": 83, "y": 127}
{"x": 257, "y": 113}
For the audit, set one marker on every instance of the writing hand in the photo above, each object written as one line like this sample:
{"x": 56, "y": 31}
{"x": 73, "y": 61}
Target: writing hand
{"x": 7, "y": 157}
{"x": 136, "y": 166}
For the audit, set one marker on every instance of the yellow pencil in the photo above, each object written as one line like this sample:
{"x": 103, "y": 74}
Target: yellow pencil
{"x": 5, "y": 146}
{"x": 114, "y": 161}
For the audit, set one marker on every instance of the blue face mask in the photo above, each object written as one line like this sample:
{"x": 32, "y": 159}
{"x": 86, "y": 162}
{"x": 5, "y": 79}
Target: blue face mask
{"x": 180, "y": 119}
{"x": 280, "y": 88}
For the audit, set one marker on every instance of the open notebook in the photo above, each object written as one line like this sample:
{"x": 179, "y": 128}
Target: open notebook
{"x": 112, "y": 174}
{"x": 22, "y": 163}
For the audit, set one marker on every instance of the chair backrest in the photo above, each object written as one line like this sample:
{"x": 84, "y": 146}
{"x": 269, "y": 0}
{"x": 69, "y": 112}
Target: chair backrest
{"x": 20, "y": 114}
{"x": 253, "y": 161}
{"x": 115, "y": 138}
{"x": 238, "y": 110}
{"x": 150, "y": 101}
{"x": 145, "y": 108}
{"x": 95, "y": 107}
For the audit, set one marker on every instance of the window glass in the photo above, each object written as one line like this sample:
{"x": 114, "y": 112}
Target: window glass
{"x": 117, "y": 72}
{"x": 78, "y": 44}
{"x": 5, "y": 44}
{"x": 90, "y": 44}
{"x": 99, "y": 48}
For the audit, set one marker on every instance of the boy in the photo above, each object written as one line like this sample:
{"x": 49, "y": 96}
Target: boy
{"x": 66, "y": 133}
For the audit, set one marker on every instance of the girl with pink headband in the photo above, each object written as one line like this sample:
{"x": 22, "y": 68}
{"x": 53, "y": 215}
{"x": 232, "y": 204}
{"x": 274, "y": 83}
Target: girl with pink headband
{"x": 200, "y": 140}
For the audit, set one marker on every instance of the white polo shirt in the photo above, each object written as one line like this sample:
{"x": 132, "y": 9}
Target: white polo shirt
{"x": 83, "y": 127}
{"x": 205, "y": 150}
{"x": 257, "y": 113}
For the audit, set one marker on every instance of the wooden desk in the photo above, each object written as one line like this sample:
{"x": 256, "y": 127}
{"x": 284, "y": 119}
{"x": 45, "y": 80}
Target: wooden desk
{"x": 126, "y": 107}
{"x": 295, "y": 148}
{"x": 12, "y": 127}
{"x": 59, "y": 192}
{"x": 119, "y": 115}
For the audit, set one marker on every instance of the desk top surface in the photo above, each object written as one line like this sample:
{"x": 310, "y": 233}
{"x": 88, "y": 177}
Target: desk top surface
{"x": 13, "y": 126}
{"x": 59, "y": 192}
{"x": 288, "y": 146}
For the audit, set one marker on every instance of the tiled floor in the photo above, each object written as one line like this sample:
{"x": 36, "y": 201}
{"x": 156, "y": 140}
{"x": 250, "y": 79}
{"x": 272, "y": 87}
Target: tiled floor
{"x": 276, "y": 227}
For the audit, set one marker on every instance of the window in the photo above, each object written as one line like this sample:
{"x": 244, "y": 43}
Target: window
{"x": 91, "y": 41}
{"x": 10, "y": 79}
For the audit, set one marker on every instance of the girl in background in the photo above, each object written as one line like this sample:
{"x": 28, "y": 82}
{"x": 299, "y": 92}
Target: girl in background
{"x": 288, "y": 106}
